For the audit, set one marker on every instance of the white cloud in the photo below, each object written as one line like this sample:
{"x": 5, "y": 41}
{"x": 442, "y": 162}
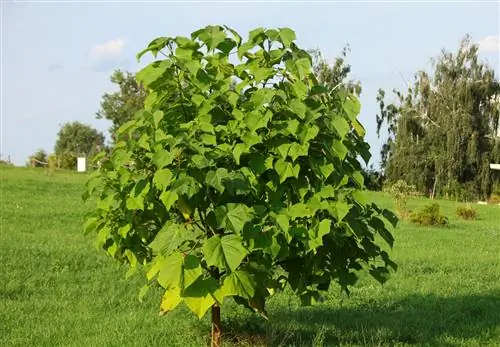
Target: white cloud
{"x": 490, "y": 43}
{"x": 110, "y": 50}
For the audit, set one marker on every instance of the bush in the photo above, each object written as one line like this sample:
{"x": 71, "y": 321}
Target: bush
{"x": 5, "y": 163}
{"x": 401, "y": 191}
{"x": 494, "y": 199}
{"x": 466, "y": 212}
{"x": 430, "y": 215}
{"x": 38, "y": 159}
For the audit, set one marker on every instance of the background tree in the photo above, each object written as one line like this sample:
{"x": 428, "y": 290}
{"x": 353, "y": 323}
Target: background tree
{"x": 440, "y": 132}
{"x": 335, "y": 75}
{"x": 120, "y": 106}
{"x": 374, "y": 179}
{"x": 77, "y": 139}
{"x": 237, "y": 194}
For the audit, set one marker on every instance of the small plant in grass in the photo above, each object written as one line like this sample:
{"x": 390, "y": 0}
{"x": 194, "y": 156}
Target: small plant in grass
{"x": 237, "y": 179}
{"x": 401, "y": 191}
{"x": 430, "y": 215}
{"x": 466, "y": 212}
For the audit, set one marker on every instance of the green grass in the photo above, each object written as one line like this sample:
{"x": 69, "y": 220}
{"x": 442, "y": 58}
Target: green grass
{"x": 56, "y": 289}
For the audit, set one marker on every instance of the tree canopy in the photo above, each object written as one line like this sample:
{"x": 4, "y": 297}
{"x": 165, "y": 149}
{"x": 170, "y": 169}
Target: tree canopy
{"x": 120, "y": 106}
{"x": 226, "y": 193}
{"x": 76, "y": 138}
{"x": 441, "y": 131}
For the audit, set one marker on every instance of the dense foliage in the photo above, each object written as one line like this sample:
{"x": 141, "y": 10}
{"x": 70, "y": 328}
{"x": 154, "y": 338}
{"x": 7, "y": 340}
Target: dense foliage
{"x": 239, "y": 178}
{"x": 442, "y": 130}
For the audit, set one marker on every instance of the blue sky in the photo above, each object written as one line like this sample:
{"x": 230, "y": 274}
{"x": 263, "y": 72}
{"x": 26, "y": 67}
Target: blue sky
{"x": 57, "y": 57}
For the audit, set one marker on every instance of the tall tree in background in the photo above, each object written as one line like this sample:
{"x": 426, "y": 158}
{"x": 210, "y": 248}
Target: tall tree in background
{"x": 335, "y": 75}
{"x": 120, "y": 106}
{"x": 441, "y": 131}
{"x": 75, "y": 139}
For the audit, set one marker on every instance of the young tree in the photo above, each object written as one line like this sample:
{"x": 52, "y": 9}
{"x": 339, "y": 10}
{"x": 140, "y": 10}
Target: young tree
{"x": 75, "y": 139}
{"x": 120, "y": 106}
{"x": 440, "y": 132}
{"x": 236, "y": 194}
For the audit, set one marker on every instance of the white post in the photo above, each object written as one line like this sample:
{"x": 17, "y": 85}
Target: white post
{"x": 80, "y": 164}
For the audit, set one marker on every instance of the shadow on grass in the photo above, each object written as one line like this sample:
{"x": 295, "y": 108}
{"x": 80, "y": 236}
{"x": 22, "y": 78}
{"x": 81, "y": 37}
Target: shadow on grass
{"x": 428, "y": 320}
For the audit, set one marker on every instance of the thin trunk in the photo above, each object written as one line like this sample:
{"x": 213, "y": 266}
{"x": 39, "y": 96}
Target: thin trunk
{"x": 216, "y": 326}
{"x": 434, "y": 188}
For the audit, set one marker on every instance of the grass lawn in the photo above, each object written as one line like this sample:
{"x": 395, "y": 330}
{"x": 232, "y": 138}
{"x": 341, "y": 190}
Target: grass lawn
{"x": 56, "y": 289}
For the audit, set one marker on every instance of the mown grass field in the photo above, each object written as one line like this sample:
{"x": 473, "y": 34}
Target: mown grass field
{"x": 56, "y": 289}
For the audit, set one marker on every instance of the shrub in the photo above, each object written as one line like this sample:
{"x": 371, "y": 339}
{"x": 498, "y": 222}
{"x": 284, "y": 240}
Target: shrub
{"x": 38, "y": 159}
{"x": 466, "y": 212}
{"x": 5, "y": 163}
{"x": 401, "y": 191}
{"x": 494, "y": 199}
{"x": 430, "y": 215}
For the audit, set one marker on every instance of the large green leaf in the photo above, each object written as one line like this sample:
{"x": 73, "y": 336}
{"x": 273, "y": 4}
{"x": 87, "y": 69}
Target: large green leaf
{"x": 135, "y": 200}
{"x": 191, "y": 270}
{"x": 178, "y": 271}
{"x": 170, "y": 236}
{"x": 233, "y": 217}
{"x": 238, "y": 150}
{"x": 379, "y": 225}
{"x": 240, "y": 283}
{"x": 216, "y": 179}
{"x": 283, "y": 221}
{"x": 308, "y": 133}
{"x": 226, "y": 252}
{"x": 168, "y": 198}
{"x": 151, "y": 73}
{"x": 171, "y": 298}
{"x": 287, "y": 36}
{"x": 299, "y": 210}
{"x": 298, "y": 150}
{"x": 303, "y": 66}
{"x": 162, "y": 158}
{"x": 162, "y": 179}
{"x": 199, "y": 296}
{"x": 286, "y": 169}
{"x": 340, "y": 125}
{"x": 352, "y": 107}
{"x": 298, "y": 107}
{"x": 170, "y": 275}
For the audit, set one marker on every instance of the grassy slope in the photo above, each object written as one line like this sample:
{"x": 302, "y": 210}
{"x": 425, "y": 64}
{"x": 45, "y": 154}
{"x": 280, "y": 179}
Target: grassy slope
{"x": 57, "y": 290}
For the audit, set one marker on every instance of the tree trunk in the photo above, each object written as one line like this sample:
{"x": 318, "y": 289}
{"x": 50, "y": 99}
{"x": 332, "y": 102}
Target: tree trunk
{"x": 434, "y": 188}
{"x": 216, "y": 326}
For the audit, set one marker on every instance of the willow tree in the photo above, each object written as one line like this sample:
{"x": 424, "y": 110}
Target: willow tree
{"x": 223, "y": 193}
{"x": 440, "y": 131}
